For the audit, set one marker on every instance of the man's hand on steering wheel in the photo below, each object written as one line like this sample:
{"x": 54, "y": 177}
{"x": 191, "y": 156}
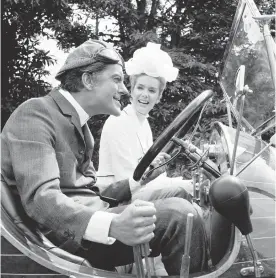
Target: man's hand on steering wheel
{"x": 160, "y": 159}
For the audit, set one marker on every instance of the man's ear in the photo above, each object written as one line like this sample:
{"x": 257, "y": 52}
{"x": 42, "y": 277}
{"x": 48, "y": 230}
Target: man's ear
{"x": 87, "y": 81}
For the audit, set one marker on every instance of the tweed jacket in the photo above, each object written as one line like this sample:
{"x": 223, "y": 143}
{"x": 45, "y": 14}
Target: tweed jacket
{"x": 46, "y": 159}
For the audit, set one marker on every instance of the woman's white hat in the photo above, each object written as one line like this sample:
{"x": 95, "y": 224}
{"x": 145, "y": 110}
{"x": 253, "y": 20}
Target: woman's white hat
{"x": 152, "y": 61}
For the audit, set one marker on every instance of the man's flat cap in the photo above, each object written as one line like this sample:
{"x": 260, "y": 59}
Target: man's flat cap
{"x": 86, "y": 54}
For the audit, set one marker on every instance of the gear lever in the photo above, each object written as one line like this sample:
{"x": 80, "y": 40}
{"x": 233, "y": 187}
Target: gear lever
{"x": 185, "y": 265}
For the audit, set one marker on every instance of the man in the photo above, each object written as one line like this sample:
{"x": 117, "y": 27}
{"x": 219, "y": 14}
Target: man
{"x": 46, "y": 159}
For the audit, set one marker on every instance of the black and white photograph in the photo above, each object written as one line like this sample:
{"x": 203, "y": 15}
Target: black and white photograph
{"x": 138, "y": 138}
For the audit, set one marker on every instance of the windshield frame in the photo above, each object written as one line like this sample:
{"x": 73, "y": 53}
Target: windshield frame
{"x": 250, "y": 4}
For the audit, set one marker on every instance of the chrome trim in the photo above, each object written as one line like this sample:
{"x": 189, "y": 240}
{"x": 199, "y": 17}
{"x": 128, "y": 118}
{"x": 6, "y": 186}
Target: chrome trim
{"x": 223, "y": 266}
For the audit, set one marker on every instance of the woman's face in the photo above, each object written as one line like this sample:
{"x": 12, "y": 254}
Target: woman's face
{"x": 145, "y": 94}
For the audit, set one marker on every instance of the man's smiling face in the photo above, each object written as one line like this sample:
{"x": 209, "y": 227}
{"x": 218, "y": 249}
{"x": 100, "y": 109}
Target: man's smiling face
{"x": 105, "y": 95}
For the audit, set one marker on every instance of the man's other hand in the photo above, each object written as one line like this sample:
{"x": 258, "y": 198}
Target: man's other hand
{"x": 135, "y": 225}
{"x": 160, "y": 159}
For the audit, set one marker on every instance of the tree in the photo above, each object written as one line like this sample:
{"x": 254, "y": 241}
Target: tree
{"x": 195, "y": 47}
{"x": 23, "y": 60}
{"x": 193, "y": 32}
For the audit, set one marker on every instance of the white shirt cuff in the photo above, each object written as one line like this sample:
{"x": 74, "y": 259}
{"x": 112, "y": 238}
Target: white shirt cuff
{"x": 98, "y": 228}
{"x": 134, "y": 185}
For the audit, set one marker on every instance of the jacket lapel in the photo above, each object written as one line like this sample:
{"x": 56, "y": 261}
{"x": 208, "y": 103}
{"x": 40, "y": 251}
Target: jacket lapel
{"x": 68, "y": 110}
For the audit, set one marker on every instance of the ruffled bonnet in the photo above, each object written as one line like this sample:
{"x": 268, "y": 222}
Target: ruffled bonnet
{"x": 152, "y": 61}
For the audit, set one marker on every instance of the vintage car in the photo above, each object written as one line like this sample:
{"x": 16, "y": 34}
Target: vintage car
{"x": 233, "y": 175}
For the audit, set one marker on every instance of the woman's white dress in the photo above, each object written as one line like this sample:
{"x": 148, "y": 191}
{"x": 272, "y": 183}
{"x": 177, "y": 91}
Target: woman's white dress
{"x": 124, "y": 141}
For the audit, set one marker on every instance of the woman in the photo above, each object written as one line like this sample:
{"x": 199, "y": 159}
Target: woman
{"x": 125, "y": 139}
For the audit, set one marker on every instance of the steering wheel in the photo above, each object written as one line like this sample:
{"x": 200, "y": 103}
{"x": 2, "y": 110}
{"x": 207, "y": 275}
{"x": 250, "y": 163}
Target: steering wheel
{"x": 180, "y": 123}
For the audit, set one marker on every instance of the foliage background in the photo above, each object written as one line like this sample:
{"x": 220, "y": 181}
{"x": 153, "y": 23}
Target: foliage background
{"x": 193, "y": 32}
